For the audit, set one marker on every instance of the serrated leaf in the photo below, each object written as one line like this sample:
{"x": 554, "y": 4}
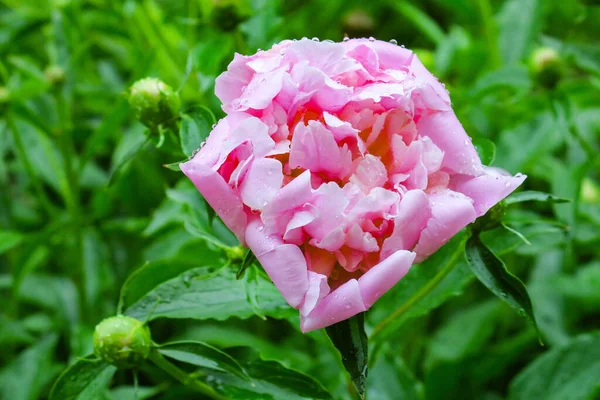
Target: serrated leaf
{"x": 492, "y": 272}
{"x": 195, "y": 128}
{"x": 350, "y": 339}
{"x": 87, "y": 379}
{"x": 532, "y": 195}
{"x": 202, "y": 293}
{"x": 201, "y": 354}
{"x": 566, "y": 372}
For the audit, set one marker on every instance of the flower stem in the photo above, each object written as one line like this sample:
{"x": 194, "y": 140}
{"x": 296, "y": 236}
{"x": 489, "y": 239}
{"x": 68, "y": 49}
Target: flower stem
{"x": 182, "y": 376}
{"x": 380, "y": 329}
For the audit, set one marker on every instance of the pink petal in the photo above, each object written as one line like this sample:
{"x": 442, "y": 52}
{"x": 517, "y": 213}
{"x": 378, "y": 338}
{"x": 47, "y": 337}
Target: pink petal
{"x": 487, "y": 190}
{"x": 413, "y": 213}
{"x": 218, "y": 194}
{"x": 262, "y": 183}
{"x": 317, "y": 290}
{"x": 369, "y": 174}
{"x": 451, "y": 211}
{"x": 444, "y": 129}
{"x": 284, "y": 263}
{"x": 382, "y": 277}
{"x": 228, "y": 85}
{"x": 261, "y": 90}
{"x": 341, "y": 304}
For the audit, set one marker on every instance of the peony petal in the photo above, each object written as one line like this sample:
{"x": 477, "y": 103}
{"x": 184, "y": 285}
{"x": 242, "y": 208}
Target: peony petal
{"x": 218, "y": 194}
{"x": 487, "y": 190}
{"x": 341, "y": 304}
{"x": 444, "y": 129}
{"x": 261, "y": 90}
{"x": 451, "y": 211}
{"x": 382, "y": 277}
{"x": 317, "y": 290}
{"x": 369, "y": 174}
{"x": 413, "y": 213}
{"x": 262, "y": 183}
{"x": 284, "y": 263}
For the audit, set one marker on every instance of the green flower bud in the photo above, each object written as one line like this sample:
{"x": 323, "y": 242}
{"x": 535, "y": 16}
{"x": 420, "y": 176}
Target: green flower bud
{"x": 122, "y": 341}
{"x": 153, "y": 102}
{"x": 55, "y": 75}
{"x": 490, "y": 219}
{"x": 546, "y": 67}
{"x": 358, "y": 23}
{"x": 590, "y": 192}
{"x": 235, "y": 254}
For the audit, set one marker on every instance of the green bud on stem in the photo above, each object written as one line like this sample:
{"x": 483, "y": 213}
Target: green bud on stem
{"x": 154, "y": 102}
{"x": 122, "y": 341}
{"x": 546, "y": 67}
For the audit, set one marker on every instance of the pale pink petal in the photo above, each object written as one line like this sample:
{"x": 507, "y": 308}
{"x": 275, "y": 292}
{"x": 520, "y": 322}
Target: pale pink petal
{"x": 451, "y": 211}
{"x": 317, "y": 290}
{"x": 489, "y": 189}
{"x": 262, "y": 183}
{"x": 343, "y": 303}
{"x": 370, "y": 173}
{"x": 444, "y": 129}
{"x": 229, "y": 85}
{"x": 382, "y": 277}
{"x": 421, "y": 72}
{"x": 413, "y": 213}
{"x": 224, "y": 200}
{"x": 284, "y": 263}
{"x": 359, "y": 240}
{"x": 261, "y": 90}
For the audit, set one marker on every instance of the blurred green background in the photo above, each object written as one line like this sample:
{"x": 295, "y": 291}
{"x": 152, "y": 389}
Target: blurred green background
{"x": 70, "y": 235}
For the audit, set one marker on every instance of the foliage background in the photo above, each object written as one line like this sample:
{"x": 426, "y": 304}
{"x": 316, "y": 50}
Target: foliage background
{"x": 69, "y": 239}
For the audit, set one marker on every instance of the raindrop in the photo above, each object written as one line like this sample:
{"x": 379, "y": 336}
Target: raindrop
{"x": 214, "y": 126}
{"x": 503, "y": 294}
{"x": 261, "y": 228}
{"x": 346, "y": 38}
{"x": 394, "y": 41}
{"x": 202, "y": 144}
{"x": 371, "y": 39}
{"x": 403, "y": 46}
{"x": 315, "y": 39}
{"x": 507, "y": 184}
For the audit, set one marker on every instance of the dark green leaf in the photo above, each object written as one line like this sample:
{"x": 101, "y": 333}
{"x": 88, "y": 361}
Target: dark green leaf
{"x": 532, "y": 195}
{"x": 9, "y": 239}
{"x": 350, "y": 339}
{"x": 194, "y": 129}
{"x": 492, "y": 272}
{"x": 130, "y": 145}
{"x": 87, "y": 379}
{"x": 249, "y": 259}
{"x": 201, "y": 293}
{"x": 566, "y": 372}
{"x": 390, "y": 378}
{"x": 202, "y": 355}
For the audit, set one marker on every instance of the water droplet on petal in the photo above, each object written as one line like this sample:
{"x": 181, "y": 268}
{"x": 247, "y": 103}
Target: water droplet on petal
{"x": 261, "y": 228}
{"x": 346, "y": 38}
{"x": 315, "y": 39}
{"x": 394, "y": 41}
{"x": 214, "y": 126}
{"x": 371, "y": 39}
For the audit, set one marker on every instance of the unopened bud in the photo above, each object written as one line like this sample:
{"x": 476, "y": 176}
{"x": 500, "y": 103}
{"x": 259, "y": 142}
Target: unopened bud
{"x": 154, "y": 102}
{"x": 235, "y": 254}
{"x": 122, "y": 341}
{"x": 546, "y": 67}
{"x": 55, "y": 75}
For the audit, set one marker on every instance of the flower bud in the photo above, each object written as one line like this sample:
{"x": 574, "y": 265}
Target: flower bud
{"x": 235, "y": 254}
{"x": 490, "y": 219}
{"x": 358, "y": 23}
{"x": 55, "y": 75}
{"x": 122, "y": 341}
{"x": 590, "y": 192}
{"x": 153, "y": 102}
{"x": 545, "y": 66}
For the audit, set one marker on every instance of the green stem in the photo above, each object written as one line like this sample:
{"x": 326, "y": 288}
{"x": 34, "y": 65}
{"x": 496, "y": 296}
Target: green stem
{"x": 182, "y": 376}
{"x": 22, "y": 152}
{"x": 491, "y": 32}
{"x": 422, "y": 293}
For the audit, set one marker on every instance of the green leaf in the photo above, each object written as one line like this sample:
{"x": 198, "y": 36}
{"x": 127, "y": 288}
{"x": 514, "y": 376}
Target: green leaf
{"x": 9, "y": 240}
{"x": 519, "y": 23}
{"x": 174, "y": 166}
{"x": 202, "y": 293}
{"x": 423, "y": 22}
{"x": 130, "y": 145}
{"x": 201, "y": 354}
{"x": 566, "y": 372}
{"x": 512, "y": 77}
{"x": 25, "y": 376}
{"x": 350, "y": 339}
{"x": 390, "y": 378}
{"x": 194, "y": 129}
{"x": 532, "y": 195}
{"x": 486, "y": 149}
{"x": 87, "y": 379}
{"x": 269, "y": 381}
{"x": 492, "y": 272}
{"x": 249, "y": 259}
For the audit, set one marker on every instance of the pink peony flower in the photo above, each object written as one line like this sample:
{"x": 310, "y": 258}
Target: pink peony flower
{"x": 340, "y": 165}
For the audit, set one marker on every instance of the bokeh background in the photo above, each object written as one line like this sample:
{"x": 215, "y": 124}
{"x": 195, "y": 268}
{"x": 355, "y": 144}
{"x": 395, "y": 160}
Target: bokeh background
{"x": 84, "y": 200}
